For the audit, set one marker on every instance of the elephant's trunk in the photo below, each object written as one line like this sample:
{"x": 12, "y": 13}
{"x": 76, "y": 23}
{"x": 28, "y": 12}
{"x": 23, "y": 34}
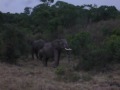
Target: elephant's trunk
{"x": 69, "y": 54}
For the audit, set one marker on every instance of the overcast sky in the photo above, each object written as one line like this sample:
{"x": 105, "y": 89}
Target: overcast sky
{"x": 18, "y": 6}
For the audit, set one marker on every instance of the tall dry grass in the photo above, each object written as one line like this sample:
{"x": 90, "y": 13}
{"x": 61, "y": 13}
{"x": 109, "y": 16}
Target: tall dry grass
{"x": 32, "y": 75}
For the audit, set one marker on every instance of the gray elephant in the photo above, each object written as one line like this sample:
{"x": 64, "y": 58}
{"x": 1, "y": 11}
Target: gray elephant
{"x": 36, "y": 46}
{"x": 53, "y": 50}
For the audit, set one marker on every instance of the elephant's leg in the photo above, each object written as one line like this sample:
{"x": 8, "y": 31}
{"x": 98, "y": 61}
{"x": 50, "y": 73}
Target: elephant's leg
{"x": 59, "y": 53}
{"x": 40, "y": 57}
{"x": 45, "y": 62}
{"x": 56, "y": 58}
{"x": 32, "y": 54}
{"x": 40, "y": 54}
{"x": 36, "y": 53}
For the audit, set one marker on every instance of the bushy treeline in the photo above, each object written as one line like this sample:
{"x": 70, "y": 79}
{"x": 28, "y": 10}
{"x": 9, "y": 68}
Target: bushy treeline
{"x": 95, "y": 43}
{"x": 13, "y": 44}
{"x": 93, "y": 56}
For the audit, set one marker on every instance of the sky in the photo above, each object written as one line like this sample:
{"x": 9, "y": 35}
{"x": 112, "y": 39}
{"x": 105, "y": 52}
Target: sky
{"x": 17, "y": 6}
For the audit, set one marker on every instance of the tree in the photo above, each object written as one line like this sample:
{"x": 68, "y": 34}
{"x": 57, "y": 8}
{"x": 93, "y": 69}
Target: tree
{"x": 14, "y": 43}
{"x": 27, "y": 10}
{"x": 1, "y": 18}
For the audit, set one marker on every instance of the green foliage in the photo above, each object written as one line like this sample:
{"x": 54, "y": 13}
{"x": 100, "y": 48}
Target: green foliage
{"x": 14, "y": 44}
{"x": 99, "y": 57}
{"x": 1, "y": 18}
{"x": 27, "y": 10}
{"x": 113, "y": 46}
{"x": 103, "y": 13}
{"x": 80, "y": 42}
{"x": 116, "y": 32}
{"x": 106, "y": 32}
{"x": 59, "y": 71}
{"x": 95, "y": 59}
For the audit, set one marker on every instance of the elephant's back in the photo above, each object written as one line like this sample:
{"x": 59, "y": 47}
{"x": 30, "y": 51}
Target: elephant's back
{"x": 38, "y": 43}
{"x": 48, "y": 46}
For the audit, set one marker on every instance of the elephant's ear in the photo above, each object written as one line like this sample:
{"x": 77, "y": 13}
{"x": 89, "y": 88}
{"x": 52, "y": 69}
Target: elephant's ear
{"x": 56, "y": 43}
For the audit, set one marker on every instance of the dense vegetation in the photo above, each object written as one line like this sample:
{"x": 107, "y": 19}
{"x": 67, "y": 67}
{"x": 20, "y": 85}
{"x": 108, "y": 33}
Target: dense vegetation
{"x": 93, "y": 32}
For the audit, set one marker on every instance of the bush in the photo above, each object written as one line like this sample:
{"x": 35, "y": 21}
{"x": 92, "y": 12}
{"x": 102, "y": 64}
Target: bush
{"x": 112, "y": 45}
{"x": 116, "y": 32}
{"x": 80, "y": 42}
{"x": 59, "y": 71}
{"x": 106, "y": 32}
{"x": 99, "y": 57}
{"x": 95, "y": 59}
{"x": 14, "y": 44}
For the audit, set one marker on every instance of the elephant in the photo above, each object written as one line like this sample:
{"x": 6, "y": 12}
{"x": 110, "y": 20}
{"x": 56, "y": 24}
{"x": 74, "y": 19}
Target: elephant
{"x": 53, "y": 50}
{"x": 36, "y": 46}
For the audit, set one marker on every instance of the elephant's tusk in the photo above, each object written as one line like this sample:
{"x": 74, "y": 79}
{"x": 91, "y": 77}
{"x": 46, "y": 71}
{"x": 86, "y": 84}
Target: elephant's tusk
{"x": 68, "y": 49}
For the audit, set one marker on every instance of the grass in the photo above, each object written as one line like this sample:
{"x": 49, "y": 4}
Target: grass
{"x": 32, "y": 75}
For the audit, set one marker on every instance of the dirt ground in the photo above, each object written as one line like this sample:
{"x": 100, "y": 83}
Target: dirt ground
{"x": 32, "y": 75}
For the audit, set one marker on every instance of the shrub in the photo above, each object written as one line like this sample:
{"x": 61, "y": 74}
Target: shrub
{"x": 106, "y": 32}
{"x": 14, "y": 44}
{"x": 80, "y": 42}
{"x": 112, "y": 45}
{"x": 59, "y": 71}
{"x": 116, "y": 32}
{"x": 95, "y": 59}
{"x": 99, "y": 57}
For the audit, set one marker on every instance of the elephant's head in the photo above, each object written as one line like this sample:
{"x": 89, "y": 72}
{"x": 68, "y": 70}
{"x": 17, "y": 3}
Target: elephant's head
{"x": 61, "y": 44}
